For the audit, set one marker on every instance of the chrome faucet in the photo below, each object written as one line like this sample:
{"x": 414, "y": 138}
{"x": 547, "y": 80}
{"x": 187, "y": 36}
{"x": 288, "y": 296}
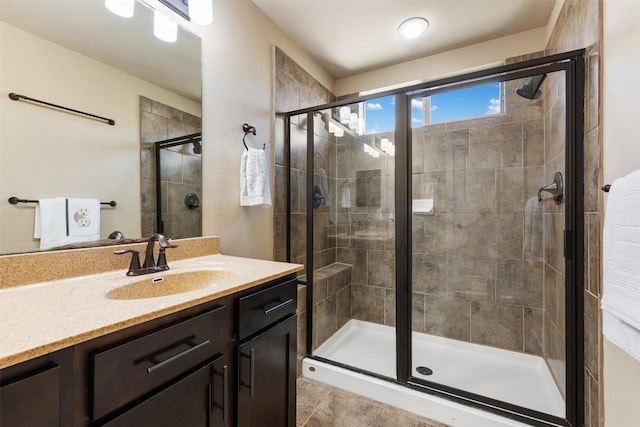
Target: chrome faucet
{"x": 150, "y": 265}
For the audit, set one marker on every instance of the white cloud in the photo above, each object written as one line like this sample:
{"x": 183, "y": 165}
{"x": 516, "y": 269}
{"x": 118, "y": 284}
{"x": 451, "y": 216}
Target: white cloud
{"x": 416, "y": 121}
{"x": 416, "y": 103}
{"x": 494, "y": 106}
{"x": 434, "y": 107}
{"x": 374, "y": 106}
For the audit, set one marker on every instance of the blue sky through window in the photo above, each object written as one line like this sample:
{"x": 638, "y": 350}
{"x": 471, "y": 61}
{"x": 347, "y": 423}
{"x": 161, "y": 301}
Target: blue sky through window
{"x": 459, "y": 104}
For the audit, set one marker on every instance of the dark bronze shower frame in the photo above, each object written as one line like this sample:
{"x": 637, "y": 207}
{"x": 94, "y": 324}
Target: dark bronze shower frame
{"x": 159, "y": 145}
{"x": 572, "y": 63}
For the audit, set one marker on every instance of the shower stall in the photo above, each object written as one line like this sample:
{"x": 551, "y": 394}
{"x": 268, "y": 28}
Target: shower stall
{"x": 431, "y": 262}
{"x": 178, "y": 185}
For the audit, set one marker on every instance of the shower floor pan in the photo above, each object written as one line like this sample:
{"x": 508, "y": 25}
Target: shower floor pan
{"x": 504, "y": 375}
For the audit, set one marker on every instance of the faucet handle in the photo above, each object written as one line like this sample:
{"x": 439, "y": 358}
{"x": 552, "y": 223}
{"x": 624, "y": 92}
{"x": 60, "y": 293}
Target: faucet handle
{"x": 163, "y": 241}
{"x": 134, "y": 266}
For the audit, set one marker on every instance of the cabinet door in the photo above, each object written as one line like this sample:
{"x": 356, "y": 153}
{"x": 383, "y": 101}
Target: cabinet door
{"x": 198, "y": 400}
{"x": 33, "y": 400}
{"x": 267, "y": 375}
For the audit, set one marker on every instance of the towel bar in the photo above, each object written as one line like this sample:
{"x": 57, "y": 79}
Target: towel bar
{"x": 14, "y": 201}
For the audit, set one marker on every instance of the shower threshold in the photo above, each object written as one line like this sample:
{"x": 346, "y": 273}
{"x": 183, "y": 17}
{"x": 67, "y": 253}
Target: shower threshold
{"x": 504, "y": 375}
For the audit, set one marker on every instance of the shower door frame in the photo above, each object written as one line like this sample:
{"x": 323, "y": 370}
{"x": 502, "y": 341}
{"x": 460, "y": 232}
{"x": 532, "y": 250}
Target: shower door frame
{"x": 572, "y": 63}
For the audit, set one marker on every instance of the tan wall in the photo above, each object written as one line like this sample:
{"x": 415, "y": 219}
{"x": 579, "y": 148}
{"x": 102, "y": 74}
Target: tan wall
{"x": 238, "y": 87}
{"x": 466, "y": 59}
{"x": 49, "y": 153}
{"x": 621, "y": 155}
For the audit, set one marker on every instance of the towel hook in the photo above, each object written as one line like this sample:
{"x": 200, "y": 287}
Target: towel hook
{"x": 247, "y": 129}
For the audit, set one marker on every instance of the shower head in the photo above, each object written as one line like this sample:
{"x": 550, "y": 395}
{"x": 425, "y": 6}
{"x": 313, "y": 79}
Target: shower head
{"x": 197, "y": 147}
{"x": 530, "y": 89}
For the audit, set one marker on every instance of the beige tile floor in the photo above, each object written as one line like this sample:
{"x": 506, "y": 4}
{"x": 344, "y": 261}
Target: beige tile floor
{"x": 319, "y": 405}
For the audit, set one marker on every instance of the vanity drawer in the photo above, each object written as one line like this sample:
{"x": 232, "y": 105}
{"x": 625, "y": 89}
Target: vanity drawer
{"x": 263, "y": 308}
{"x": 130, "y": 370}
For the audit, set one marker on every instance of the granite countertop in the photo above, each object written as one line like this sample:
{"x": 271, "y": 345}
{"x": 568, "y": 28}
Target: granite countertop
{"x": 45, "y": 317}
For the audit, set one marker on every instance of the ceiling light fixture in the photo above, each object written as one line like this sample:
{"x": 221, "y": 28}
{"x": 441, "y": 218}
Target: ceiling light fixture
{"x": 164, "y": 28}
{"x": 122, "y": 8}
{"x": 201, "y": 11}
{"x": 413, "y": 28}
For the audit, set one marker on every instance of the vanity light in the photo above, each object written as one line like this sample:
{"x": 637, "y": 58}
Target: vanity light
{"x": 164, "y": 28}
{"x": 201, "y": 11}
{"x": 413, "y": 28}
{"x": 122, "y": 8}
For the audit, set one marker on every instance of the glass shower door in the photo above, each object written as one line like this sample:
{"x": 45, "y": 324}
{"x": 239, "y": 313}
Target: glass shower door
{"x": 487, "y": 287}
{"x": 353, "y": 187}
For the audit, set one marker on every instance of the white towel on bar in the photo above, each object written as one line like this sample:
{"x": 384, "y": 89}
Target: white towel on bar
{"x": 254, "y": 179}
{"x": 52, "y": 221}
{"x": 621, "y": 265}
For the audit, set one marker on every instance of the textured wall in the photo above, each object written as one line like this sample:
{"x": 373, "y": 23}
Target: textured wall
{"x": 295, "y": 88}
{"x": 579, "y": 25}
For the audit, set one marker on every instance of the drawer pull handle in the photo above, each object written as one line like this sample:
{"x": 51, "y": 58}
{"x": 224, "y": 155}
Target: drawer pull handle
{"x": 196, "y": 347}
{"x": 225, "y": 395}
{"x": 252, "y": 378}
{"x": 268, "y": 311}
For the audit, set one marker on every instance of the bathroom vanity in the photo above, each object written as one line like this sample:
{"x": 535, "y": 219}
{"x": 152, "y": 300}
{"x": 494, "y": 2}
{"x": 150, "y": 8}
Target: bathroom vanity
{"x": 221, "y": 355}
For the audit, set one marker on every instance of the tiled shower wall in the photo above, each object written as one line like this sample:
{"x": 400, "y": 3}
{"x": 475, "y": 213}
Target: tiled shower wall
{"x": 477, "y": 259}
{"x": 296, "y": 89}
{"x": 579, "y": 26}
{"x": 553, "y": 221}
{"x": 181, "y": 170}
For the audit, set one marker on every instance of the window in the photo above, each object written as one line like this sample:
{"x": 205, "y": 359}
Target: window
{"x": 461, "y": 104}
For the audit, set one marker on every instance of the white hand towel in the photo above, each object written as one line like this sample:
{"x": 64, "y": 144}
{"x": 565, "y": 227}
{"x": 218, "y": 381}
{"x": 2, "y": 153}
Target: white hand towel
{"x": 50, "y": 212}
{"x": 254, "y": 179}
{"x": 621, "y": 265}
{"x": 83, "y": 216}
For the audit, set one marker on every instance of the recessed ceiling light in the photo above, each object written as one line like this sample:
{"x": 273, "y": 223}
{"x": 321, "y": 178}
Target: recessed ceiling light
{"x": 413, "y": 27}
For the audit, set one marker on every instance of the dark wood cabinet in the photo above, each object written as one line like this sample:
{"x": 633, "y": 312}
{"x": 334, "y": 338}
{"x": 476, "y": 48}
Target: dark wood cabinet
{"x": 228, "y": 362}
{"x": 190, "y": 401}
{"x": 266, "y": 357}
{"x": 38, "y": 392}
{"x": 176, "y": 375}
{"x": 267, "y": 375}
{"x": 32, "y": 400}
{"x": 136, "y": 367}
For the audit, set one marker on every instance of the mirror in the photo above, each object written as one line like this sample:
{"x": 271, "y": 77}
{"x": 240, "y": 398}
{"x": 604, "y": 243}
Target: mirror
{"x": 79, "y": 55}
